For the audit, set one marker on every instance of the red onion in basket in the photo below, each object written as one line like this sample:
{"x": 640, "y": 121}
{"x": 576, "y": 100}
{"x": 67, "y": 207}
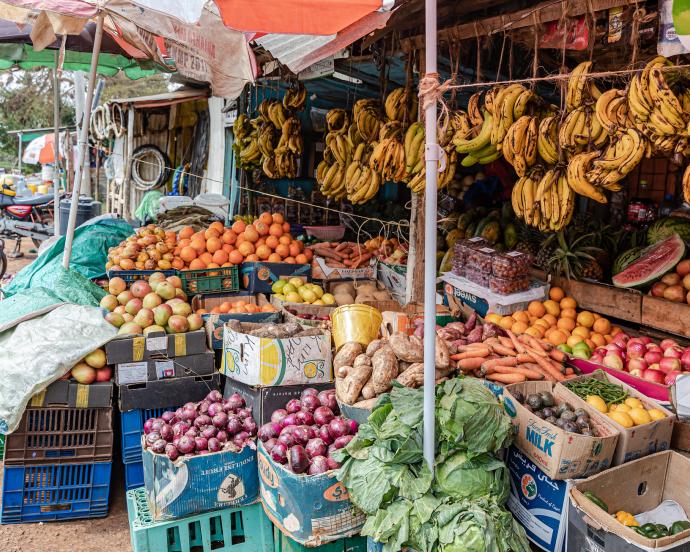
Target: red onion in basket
{"x": 298, "y": 459}
{"x": 147, "y": 425}
{"x": 287, "y": 439}
{"x": 289, "y": 420}
{"x": 204, "y": 406}
{"x": 215, "y": 408}
{"x": 323, "y": 415}
{"x": 214, "y": 445}
{"x": 352, "y": 425}
{"x": 171, "y": 451}
{"x": 337, "y": 428}
{"x": 152, "y": 438}
{"x": 157, "y": 424}
{"x": 327, "y": 398}
{"x": 324, "y": 435}
{"x": 310, "y": 403}
{"x": 220, "y": 420}
{"x": 166, "y": 432}
{"x": 180, "y": 428}
{"x": 342, "y": 442}
{"x": 168, "y": 416}
{"x": 186, "y": 444}
{"x": 159, "y": 446}
{"x": 202, "y": 420}
{"x": 279, "y": 415}
{"x": 236, "y": 401}
{"x": 245, "y": 412}
{"x": 312, "y": 432}
{"x": 319, "y": 464}
{"x": 209, "y": 431}
{"x": 268, "y": 445}
{"x": 279, "y": 453}
{"x": 249, "y": 426}
{"x": 201, "y": 443}
{"x": 301, "y": 435}
{"x": 268, "y": 431}
{"x": 241, "y": 438}
{"x": 192, "y": 432}
{"x": 304, "y": 417}
{"x": 293, "y": 405}
{"x": 222, "y": 436}
{"x": 234, "y": 424}
{"x": 309, "y": 391}
{"x": 214, "y": 396}
{"x": 316, "y": 447}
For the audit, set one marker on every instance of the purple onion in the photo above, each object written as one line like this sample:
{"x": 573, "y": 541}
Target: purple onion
{"x": 180, "y": 428}
{"x": 288, "y": 429}
{"x": 250, "y": 426}
{"x": 318, "y": 465}
{"x": 341, "y": 442}
{"x": 192, "y": 432}
{"x": 316, "y": 447}
{"x": 152, "y": 438}
{"x": 167, "y": 433}
{"x": 214, "y": 396}
{"x": 332, "y": 464}
{"x": 304, "y": 417}
{"x": 157, "y": 424}
{"x": 301, "y": 435}
{"x": 186, "y": 444}
{"x": 201, "y": 443}
{"x": 240, "y": 439}
{"x": 159, "y": 446}
{"x": 168, "y": 416}
{"x": 222, "y": 436}
{"x": 279, "y": 415}
{"x": 353, "y": 426}
{"x": 298, "y": 459}
{"x": 209, "y": 431}
{"x": 172, "y": 452}
{"x": 178, "y": 413}
{"x": 215, "y": 408}
{"x": 175, "y": 441}
{"x": 188, "y": 414}
{"x": 214, "y": 445}
{"x": 268, "y": 431}
{"x": 268, "y": 445}
{"x": 244, "y": 412}
{"x": 202, "y": 420}
{"x": 293, "y": 405}
{"x": 327, "y": 398}
{"x": 337, "y": 428}
{"x": 310, "y": 403}
{"x": 200, "y": 452}
{"x": 203, "y": 406}
{"x": 227, "y": 406}
{"x": 220, "y": 420}
{"x": 234, "y": 424}
{"x": 312, "y": 431}
{"x": 323, "y": 415}
{"x": 290, "y": 419}
{"x": 147, "y": 425}
{"x": 235, "y": 401}
{"x": 324, "y": 435}
{"x": 279, "y": 453}
{"x": 287, "y": 439}
{"x": 309, "y": 392}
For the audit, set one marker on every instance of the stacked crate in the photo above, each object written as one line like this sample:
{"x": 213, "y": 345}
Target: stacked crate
{"x": 58, "y": 462}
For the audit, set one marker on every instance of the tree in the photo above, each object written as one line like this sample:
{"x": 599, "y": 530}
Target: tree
{"x": 120, "y": 86}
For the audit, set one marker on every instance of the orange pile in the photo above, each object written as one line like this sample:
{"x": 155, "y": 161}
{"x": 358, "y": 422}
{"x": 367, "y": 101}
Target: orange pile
{"x": 557, "y": 321}
{"x": 238, "y": 307}
{"x": 266, "y": 239}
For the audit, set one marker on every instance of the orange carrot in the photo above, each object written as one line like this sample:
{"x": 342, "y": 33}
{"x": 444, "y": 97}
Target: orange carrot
{"x": 557, "y": 354}
{"x": 537, "y": 368}
{"x": 527, "y": 372}
{"x": 501, "y": 350}
{"x": 470, "y": 363}
{"x": 518, "y": 346}
{"x": 502, "y": 361}
{"x": 475, "y": 352}
{"x": 546, "y": 365}
{"x": 506, "y": 342}
{"x": 507, "y": 378}
{"x": 569, "y": 371}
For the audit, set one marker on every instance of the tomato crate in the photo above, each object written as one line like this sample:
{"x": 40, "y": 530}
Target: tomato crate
{"x": 243, "y": 529}
{"x": 133, "y": 275}
{"x": 211, "y": 280}
{"x": 134, "y": 475}
{"x": 55, "y": 492}
{"x": 58, "y": 435}
{"x": 283, "y": 543}
{"x": 132, "y": 427}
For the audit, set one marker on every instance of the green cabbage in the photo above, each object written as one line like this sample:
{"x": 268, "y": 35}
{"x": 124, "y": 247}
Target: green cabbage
{"x": 483, "y": 476}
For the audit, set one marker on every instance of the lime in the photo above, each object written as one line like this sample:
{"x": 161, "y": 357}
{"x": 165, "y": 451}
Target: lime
{"x": 293, "y": 297}
{"x": 318, "y": 290}
{"x": 297, "y": 282}
{"x": 288, "y": 288}
{"x": 565, "y": 348}
{"x": 278, "y": 286}
{"x": 328, "y": 299}
{"x": 308, "y": 295}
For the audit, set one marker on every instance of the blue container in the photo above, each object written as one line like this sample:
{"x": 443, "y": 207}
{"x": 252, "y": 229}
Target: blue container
{"x": 258, "y": 277}
{"x": 132, "y": 428}
{"x": 284, "y": 543}
{"x": 133, "y": 275}
{"x": 195, "y": 484}
{"x": 134, "y": 475}
{"x": 55, "y": 492}
{"x": 373, "y": 546}
{"x": 243, "y": 529}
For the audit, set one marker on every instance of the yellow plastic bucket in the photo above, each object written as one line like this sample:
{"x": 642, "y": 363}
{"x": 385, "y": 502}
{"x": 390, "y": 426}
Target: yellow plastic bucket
{"x": 356, "y": 322}
{"x": 43, "y": 189}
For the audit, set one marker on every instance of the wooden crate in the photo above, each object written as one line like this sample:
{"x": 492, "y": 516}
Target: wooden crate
{"x": 666, "y": 315}
{"x": 606, "y": 300}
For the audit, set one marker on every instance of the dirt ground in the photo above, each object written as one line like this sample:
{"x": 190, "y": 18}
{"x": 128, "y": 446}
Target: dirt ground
{"x": 87, "y": 535}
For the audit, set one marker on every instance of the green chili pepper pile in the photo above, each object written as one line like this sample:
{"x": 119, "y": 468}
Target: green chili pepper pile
{"x": 610, "y": 392}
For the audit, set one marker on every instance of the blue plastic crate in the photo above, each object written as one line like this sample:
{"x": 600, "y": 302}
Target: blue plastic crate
{"x": 244, "y": 529}
{"x": 134, "y": 475}
{"x": 283, "y": 543}
{"x": 55, "y": 492}
{"x": 132, "y": 427}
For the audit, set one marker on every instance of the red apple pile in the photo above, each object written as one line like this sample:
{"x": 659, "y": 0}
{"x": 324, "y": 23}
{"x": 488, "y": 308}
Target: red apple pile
{"x": 92, "y": 368}
{"x": 641, "y": 357}
{"x": 156, "y": 305}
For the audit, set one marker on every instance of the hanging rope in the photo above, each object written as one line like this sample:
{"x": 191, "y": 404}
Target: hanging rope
{"x": 479, "y": 49}
{"x": 535, "y": 58}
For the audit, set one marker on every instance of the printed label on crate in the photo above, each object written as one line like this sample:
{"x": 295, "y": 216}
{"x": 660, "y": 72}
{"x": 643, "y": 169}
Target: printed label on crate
{"x": 394, "y": 277}
{"x": 321, "y": 271}
{"x": 132, "y": 372}
{"x": 263, "y": 361}
{"x": 159, "y": 343}
{"x": 165, "y": 369}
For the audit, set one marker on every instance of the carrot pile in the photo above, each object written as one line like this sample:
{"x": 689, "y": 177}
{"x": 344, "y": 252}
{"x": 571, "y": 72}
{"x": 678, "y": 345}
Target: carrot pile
{"x": 342, "y": 255}
{"x": 513, "y": 359}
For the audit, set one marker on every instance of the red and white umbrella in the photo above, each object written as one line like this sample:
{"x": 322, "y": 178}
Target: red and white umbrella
{"x": 41, "y": 150}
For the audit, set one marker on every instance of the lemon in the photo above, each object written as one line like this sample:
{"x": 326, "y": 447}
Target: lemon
{"x": 318, "y": 290}
{"x": 328, "y": 299}
{"x": 308, "y": 295}
{"x": 597, "y": 402}
{"x": 656, "y": 414}
{"x": 293, "y": 297}
{"x": 318, "y": 302}
{"x": 278, "y": 285}
{"x": 297, "y": 282}
{"x": 288, "y": 288}
{"x": 493, "y": 318}
{"x": 640, "y": 416}
{"x": 613, "y": 407}
{"x": 623, "y": 408}
{"x": 623, "y": 418}
{"x": 634, "y": 402}
{"x": 280, "y": 296}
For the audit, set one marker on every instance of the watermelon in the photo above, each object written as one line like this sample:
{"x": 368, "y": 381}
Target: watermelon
{"x": 626, "y": 258}
{"x": 663, "y": 228}
{"x": 655, "y": 261}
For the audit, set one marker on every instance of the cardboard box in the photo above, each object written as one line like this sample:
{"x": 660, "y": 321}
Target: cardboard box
{"x": 214, "y": 322}
{"x": 559, "y": 454}
{"x": 402, "y": 320}
{"x": 264, "y": 400}
{"x": 638, "y": 441}
{"x": 128, "y": 348}
{"x": 394, "y": 277}
{"x": 166, "y": 393}
{"x": 159, "y": 369}
{"x": 537, "y": 502}
{"x": 311, "y": 510}
{"x": 197, "y": 484}
{"x": 636, "y": 487}
{"x": 681, "y": 436}
{"x": 258, "y": 277}
{"x": 75, "y": 395}
{"x": 264, "y": 361}
{"x": 321, "y": 271}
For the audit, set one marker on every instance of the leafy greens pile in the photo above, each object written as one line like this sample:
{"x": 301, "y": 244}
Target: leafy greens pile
{"x": 460, "y": 508}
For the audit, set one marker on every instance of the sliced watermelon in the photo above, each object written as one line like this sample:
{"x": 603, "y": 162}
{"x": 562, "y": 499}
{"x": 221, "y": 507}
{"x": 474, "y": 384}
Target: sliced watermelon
{"x": 654, "y": 262}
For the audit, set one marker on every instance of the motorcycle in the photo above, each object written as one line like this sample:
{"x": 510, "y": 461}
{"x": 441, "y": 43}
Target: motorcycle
{"x": 20, "y": 217}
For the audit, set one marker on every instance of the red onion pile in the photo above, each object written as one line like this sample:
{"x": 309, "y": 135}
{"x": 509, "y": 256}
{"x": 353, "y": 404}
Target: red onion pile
{"x": 212, "y": 425}
{"x": 304, "y": 434}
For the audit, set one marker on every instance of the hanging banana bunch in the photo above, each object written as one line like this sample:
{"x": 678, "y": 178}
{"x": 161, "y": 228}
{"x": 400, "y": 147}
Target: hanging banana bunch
{"x": 295, "y": 98}
{"x": 401, "y": 105}
{"x": 520, "y": 144}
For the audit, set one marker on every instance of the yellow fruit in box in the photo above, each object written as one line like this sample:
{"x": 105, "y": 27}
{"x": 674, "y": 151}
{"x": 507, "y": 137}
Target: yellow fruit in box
{"x": 597, "y": 402}
{"x": 328, "y": 299}
{"x": 552, "y": 307}
{"x": 640, "y": 416}
{"x": 277, "y": 286}
{"x": 288, "y": 288}
{"x": 634, "y": 402}
{"x": 623, "y": 418}
{"x": 280, "y": 296}
{"x": 297, "y": 282}
{"x": 308, "y": 295}
{"x": 318, "y": 302}
{"x": 493, "y": 318}
{"x": 293, "y": 297}
{"x": 318, "y": 290}
{"x": 621, "y": 408}
{"x": 656, "y": 414}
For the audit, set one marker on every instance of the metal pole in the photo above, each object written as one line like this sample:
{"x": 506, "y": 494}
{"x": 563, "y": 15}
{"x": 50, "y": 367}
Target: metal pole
{"x": 20, "y": 152}
{"x": 431, "y": 153}
{"x": 83, "y": 139}
{"x": 56, "y": 146}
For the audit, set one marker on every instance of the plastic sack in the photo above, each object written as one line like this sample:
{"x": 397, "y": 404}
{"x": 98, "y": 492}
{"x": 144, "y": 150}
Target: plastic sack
{"x": 89, "y": 255}
{"x": 147, "y": 211}
{"x": 39, "y": 351}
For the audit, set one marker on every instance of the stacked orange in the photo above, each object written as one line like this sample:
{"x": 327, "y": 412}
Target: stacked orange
{"x": 557, "y": 321}
{"x": 266, "y": 239}
{"x": 238, "y": 307}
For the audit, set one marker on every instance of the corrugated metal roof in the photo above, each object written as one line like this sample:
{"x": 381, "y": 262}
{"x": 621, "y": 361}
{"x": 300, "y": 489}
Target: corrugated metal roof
{"x": 290, "y": 49}
{"x": 166, "y": 98}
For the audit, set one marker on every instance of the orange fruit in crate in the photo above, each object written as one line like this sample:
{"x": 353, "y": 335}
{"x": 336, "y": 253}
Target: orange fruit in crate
{"x": 608, "y": 338}
{"x": 566, "y": 324}
{"x": 228, "y": 248}
{"x": 598, "y": 339}
{"x": 238, "y": 227}
{"x": 582, "y": 332}
{"x": 224, "y": 306}
{"x": 235, "y": 257}
{"x": 309, "y": 254}
{"x": 274, "y": 258}
{"x": 521, "y": 316}
{"x": 177, "y": 263}
{"x": 574, "y": 340}
{"x": 211, "y": 233}
{"x": 252, "y": 258}
{"x": 260, "y": 241}
{"x": 268, "y": 308}
{"x": 286, "y": 227}
{"x": 590, "y": 344}
{"x": 550, "y": 318}
{"x": 251, "y": 234}
{"x": 552, "y": 307}
{"x": 519, "y": 327}
{"x": 213, "y": 245}
{"x": 201, "y": 311}
{"x": 569, "y": 313}
{"x": 535, "y": 308}
{"x": 534, "y": 331}
{"x": 197, "y": 264}
{"x": 586, "y": 319}
{"x": 246, "y": 248}
{"x": 283, "y": 250}
{"x": 301, "y": 259}
{"x": 289, "y": 260}
{"x": 294, "y": 249}
{"x": 216, "y": 310}
{"x": 602, "y": 326}
{"x": 206, "y": 257}
{"x": 275, "y": 229}
{"x": 229, "y": 237}
{"x": 568, "y": 303}
{"x": 543, "y": 324}
{"x": 261, "y": 227}
{"x": 263, "y": 252}
{"x": 188, "y": 254}
{"x": 225, "y": 265}
{"x": 199, "y": 244}
{"x": 285, "y": 239}
{"x": 218, "y": 227}
{"x": 272, "y": 242}
{"x": 556, "y": 294}
{"x": 278, "y": 218}
{"x": 220, "y": 257}
{"x": 187, "y": 232}
{"x": 213, "y": 265}
{"x": 557, "y": 337}
{"x": 506, "y": 322}
{"x": 615, "y": 330}
{"x": 266, "y": 218}
{"x": 184, "y": 242}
